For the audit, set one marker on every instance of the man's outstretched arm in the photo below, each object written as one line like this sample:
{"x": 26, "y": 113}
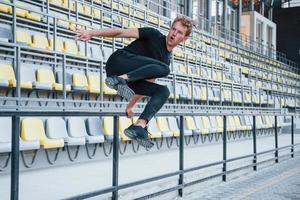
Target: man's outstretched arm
{"x": 108, "y": 32}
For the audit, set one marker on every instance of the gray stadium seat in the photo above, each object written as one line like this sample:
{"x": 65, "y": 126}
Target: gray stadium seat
{"x": 96, "y": 52}
{"x": 27, "y": 75}
{"x": 76, "y": 128}
{"x": 56, "y": 129}
{"x": 94, "y": 127}
{"x": 5, "y": 34}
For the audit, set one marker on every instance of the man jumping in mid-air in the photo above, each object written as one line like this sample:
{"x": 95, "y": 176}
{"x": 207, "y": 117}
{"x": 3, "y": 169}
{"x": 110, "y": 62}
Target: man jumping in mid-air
{"x": 132, "y": 70}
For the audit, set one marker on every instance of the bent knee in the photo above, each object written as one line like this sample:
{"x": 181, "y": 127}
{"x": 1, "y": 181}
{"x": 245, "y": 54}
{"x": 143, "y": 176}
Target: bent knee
{"x": 166, "y": 70}
{"x": 164, "y": 92}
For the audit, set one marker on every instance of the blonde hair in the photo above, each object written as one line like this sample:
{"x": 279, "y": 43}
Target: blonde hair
{"x": 185, "y": 21}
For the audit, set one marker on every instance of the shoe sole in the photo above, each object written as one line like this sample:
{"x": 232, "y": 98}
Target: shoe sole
{"x": 143, "y": 142}
{"x": 122, "y": 89}
{"x": 125, "y": 92}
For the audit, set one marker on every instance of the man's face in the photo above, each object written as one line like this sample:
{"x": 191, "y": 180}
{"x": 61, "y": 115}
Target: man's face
{"x": 176, "y": 34}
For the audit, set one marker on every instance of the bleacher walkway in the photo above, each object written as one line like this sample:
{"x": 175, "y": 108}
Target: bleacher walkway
{"x": 280, "y": 182}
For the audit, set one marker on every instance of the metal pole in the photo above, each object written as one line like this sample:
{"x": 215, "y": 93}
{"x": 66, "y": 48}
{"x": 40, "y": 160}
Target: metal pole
{"x": 254, "y": 144}
{"x": 292, "y": 136}
{"x": 276, "y": 141}
{"x": 181, "y": 155}
{"x": 115, "y": 177}
{"x": 224, "y": 148}
{"x": 15, "y": 151}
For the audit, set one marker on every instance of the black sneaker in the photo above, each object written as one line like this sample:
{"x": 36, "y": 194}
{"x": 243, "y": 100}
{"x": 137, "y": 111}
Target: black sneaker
{"x": 139, "y": 134}
{"x": 120, "y": 84}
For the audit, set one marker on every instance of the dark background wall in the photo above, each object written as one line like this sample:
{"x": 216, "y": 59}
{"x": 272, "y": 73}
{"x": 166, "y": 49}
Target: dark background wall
{"x": 288, "y": 32}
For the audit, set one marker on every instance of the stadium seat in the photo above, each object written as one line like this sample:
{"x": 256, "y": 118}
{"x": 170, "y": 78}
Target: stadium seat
{"x": 153, "y": 129}
{"x": 32, "y": 129}
{"x": 231, "y": 127}
{"x": 94, "y": 127}
{"x": 238, "y": 124}
{"x": 94, "y": 84}
{"x": 204, "y": 123}
{"x": 70, "y": 47}
{"x": 107, "y": 90}
{"x": 56, "y": 129}
{"x": 203, "y": 93}
{"x": 5, "y": 34}
{"x": 96, "y": 52}
{"x": 27, "y": 76}
{"x": 124, "y": 123}
{"x": 7, "y": 76}
{"x": 23, "y": 37}
{"x": 190, "y": 125}
{"x": 214, "y": 126}
{"x": 5, "y": 8}
{"x": 108, "y": 128}
{"x": 79, "y": 82}
{"x": 44, "y": 79}
{"x": 173, "y": 126}
{"x": 59, "y": 78}
{"x": 76, "y": 128}
{"x": 6, "y": 134}
{"x": 163, "y": 126}
{"x": 96, "y": 13}
{"x": 40, "y": 41}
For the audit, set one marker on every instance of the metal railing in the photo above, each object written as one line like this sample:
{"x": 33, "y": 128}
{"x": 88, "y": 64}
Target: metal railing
{"x": 180, "y": 173}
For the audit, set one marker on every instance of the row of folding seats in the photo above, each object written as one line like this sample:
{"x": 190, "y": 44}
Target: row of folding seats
{"x": 55, "y": 132}
{"x": 44, "y": 79}
{"x": 20, "y": 12}
{"x": 201, "y": 93}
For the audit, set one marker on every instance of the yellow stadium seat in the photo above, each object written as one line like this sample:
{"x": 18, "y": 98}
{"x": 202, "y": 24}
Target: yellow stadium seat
{"x": 205, "y": 124}
{"x": 23, "y": 37}
{"x": 108, "y": 125}
{"x": 45, "y": 76}
{"x": 124, "y": 123}
{"x": 33, "y": 16}
{"x": 219, "y": 120}
{"x": 238, "y": 123}
{"x": 96, "y": 13}
{"x": 33, "y": 129}
{"x": 59, "y": 45}
{"x": 78, "y": 6}
{"x": 231, "y": 124}
{"x": 87, "y": 10}
{"x": 163, "y": 125}
{"x": 40, "y": 41}
{"x": 5, "y": 8}
{"x": 7, "y": 75}
{"x": 94, "y": 84}
{"x": 56, "y": 2}
{"x": 190, "y": 123}
{"x": 79, "y": 82}
{"x": 21, "y": 12}
{"x": 70, "y": 47}
{"x": 203, "y": 96}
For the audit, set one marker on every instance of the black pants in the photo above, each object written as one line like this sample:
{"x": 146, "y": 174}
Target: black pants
{"x": 139, "y": 68}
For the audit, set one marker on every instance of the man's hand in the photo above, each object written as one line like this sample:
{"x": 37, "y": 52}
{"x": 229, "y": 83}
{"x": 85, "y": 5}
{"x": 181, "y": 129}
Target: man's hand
{"x": 83, "y": 35}
{"x": 129, "y": 112}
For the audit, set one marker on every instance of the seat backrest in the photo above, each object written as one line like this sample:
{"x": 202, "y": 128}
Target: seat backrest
{"x": 173, "y": 123}
{"x": 79, "y": 80}
{"x": 40, "y": 41}
{"x": 59, "y": 44}
{"x": 94, "y": 126}
{"x": 96, "y": 51}
{"x": 5, "y": 34}
{"x": 124, "y": 123}
{"x": 94, "y": 83}
{"x": 162, "y": 123}
{"x": 76, "y": 127}
{"x": 27, "y": 73}
{"x": 198, "y": 122}
{"x": 32, "y": 129}
{"x": 70, "y": 46}
{"x": 152, "y": 126}
{"x": 108, "y": 128}
{"x": 59, "y": 77}
{"x": 5, "y": 129}
{"x": 56, "y": 128}
{"x": 213, "y": 122}
{"x": 45, "y": 76}
{"x": 7, "y": 73}
{"x": 23, "y": 37}
{"x": 190, "y": 123}
{"x": 205, "y": 122}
